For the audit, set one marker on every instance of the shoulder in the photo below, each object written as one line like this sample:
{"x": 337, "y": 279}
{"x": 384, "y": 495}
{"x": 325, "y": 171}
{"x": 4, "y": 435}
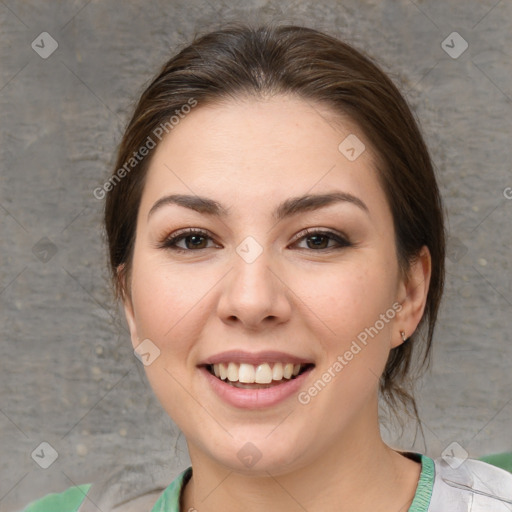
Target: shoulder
{"x": 131, "y": 488}
{"x": 74, "y": 498}
{"x": 470, "y": 485}
{"x": 67, "y": 501}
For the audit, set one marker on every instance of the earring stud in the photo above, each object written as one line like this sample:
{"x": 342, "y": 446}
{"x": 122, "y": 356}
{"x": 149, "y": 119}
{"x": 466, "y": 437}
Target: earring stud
{"x": 402, "y": 333}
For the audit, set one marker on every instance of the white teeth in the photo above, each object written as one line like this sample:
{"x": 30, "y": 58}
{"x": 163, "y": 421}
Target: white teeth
{"x": 264, "y": 373}
{"x": 232, "y": 372}
{"x": 277, "y": 371}
{"x": 288, "y": 370}
{"x": 246, "y": 373}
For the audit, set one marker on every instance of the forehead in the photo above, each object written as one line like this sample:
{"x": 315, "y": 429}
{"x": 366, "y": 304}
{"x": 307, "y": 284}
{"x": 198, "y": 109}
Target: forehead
{"x": 249, "y": 149}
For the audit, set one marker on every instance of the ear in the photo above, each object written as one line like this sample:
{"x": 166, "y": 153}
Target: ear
{"x": 126, "y": 296}
{"x": 412, "y": 295}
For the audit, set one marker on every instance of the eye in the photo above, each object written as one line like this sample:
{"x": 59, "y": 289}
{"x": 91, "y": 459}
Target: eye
{"x": 193, "y": 238}
{"x": 319, "y": 238}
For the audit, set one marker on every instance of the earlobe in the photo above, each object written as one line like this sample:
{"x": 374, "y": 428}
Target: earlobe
{"x": 130, "y": 319}
{"x": 413, "y": 294}
{"x": 127, "y": 304}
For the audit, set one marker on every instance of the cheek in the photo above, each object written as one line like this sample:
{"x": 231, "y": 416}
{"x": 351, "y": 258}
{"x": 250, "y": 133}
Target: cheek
{"x": 167, "y": 305}
{"x": 165, "y": 300}
{"x": 351, "y": 297}
{"x": 355, "y": 304}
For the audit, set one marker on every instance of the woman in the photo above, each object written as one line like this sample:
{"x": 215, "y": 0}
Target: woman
{"x": 276, "y": 236}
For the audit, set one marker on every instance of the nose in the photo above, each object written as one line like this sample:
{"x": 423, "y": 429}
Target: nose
{"x": 254, "y": 293}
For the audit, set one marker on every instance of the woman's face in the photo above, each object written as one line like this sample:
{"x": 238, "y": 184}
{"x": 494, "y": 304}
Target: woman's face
{"x": 255, "y": 290}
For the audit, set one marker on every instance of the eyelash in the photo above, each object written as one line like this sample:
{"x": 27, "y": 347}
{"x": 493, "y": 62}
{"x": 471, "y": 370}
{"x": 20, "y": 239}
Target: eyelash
{"x": 171, "y": 241}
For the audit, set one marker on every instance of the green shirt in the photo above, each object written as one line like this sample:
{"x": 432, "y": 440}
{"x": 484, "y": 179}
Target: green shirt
{"x": 169, "y": 500}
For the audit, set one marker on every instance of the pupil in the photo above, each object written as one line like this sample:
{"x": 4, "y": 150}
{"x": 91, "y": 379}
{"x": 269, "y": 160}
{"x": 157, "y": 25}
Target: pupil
{"x": 196, "y": 238}
{"x": 317, "y": 237}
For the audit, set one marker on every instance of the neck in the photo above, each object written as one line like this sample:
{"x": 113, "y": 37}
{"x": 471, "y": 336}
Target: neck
{"x": 358, "y": 473}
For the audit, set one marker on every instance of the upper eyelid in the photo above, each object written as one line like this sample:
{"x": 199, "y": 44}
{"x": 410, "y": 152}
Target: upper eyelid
{"x": 323, "y": 231}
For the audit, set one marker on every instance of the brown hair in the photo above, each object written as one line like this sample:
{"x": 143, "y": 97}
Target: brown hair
{"x": 256, "y": 61}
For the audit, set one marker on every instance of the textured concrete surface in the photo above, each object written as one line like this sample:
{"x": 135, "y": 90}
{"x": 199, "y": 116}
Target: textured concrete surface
{"x": 68, "y": 375}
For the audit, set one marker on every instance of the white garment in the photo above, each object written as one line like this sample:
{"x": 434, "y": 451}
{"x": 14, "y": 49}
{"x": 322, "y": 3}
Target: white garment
{"x": 474, "y": 486}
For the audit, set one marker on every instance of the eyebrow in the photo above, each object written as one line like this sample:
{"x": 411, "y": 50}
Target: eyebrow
{"x": 287, "y": 208}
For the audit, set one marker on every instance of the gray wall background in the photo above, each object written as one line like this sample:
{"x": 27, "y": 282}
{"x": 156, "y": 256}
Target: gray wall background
{"x": 68, "y": 374}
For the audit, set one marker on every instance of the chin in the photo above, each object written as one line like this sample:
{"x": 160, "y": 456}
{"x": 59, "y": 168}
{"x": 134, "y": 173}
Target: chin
{"x": 257, "y": 457}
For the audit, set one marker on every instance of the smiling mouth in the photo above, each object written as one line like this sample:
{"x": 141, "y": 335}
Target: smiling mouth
{"x": 248, "y": 376}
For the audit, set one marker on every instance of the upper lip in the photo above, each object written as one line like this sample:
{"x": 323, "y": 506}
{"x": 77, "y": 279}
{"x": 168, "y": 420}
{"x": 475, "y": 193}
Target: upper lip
{"x": 255, "y": 358}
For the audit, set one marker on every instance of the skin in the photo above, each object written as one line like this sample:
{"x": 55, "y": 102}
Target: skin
{"x": 250, "y": 155}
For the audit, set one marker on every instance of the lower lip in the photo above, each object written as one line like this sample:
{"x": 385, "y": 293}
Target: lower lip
{"x": 255, "y": 398}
